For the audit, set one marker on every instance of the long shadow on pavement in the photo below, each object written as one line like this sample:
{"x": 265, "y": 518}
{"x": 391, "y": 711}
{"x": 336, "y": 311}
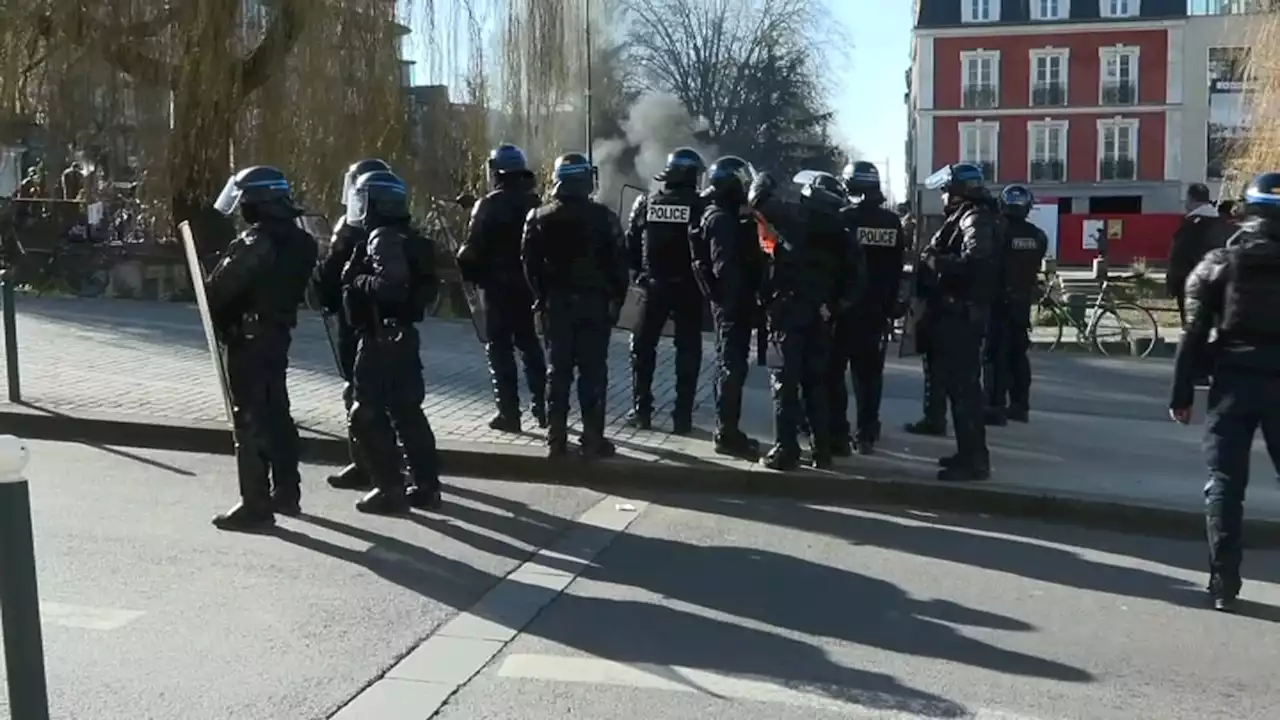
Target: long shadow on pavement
{"x": 760, "y": 586}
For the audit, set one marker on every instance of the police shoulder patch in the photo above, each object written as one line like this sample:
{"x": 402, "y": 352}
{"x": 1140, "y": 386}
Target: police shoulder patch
{"x": 669, "y": 213}
{"x": 877, "y": 237}
{"x": 1023, "y": 243}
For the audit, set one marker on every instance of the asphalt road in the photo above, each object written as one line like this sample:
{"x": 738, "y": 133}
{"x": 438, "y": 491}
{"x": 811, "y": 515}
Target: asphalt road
{"x": 683, "y": 608}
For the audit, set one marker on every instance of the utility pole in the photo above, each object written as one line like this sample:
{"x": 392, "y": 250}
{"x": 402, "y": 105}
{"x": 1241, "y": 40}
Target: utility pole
{"x": 586, "y": 27}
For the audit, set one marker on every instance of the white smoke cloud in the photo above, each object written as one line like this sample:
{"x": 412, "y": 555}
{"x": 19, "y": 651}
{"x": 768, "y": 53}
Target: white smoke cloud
{"x": 655, "y": 125}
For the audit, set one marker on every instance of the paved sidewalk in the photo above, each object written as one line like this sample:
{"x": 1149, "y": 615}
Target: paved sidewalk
{"x": 1099, "y": 437}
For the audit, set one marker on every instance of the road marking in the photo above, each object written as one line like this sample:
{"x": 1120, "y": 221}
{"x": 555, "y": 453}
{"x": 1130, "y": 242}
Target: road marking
{"x": 420, "y": 684}
{"x": 674, "y": 678}
{"x": 86, "y": 617}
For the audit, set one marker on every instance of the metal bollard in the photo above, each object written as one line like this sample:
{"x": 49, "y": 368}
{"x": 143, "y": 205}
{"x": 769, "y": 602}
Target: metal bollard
{"x": 10, "y": 335}
{"x": 19, "y": 595}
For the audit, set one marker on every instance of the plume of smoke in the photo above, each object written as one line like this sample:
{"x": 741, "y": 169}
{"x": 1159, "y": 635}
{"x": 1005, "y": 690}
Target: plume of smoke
{"x": 655, "y": 125}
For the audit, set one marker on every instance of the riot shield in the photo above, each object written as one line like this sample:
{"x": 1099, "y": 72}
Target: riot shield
{"x": 470, "y": 293}
{"x": 915, "y": 308}
{"x": 321, "y": 230}
{"x": 206, "y": 318}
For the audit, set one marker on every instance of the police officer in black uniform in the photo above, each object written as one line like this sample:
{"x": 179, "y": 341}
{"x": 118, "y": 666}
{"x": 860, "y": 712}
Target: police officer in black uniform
{"x": 812, "y": 275}
{"x": 959, "y": 277}
{"x": 1007, "y": 372}
{"x": 327, "y": 282}
{"x": 388, "y": 283}
{"x": 861, "y": 336}
{"x": 254, "y": 293}
{"x": 727, "y": 267}
{"x": 490, "y": 258}
{"x": 657, "y": 239}
{"x": 1234, "y": 290}
{"x": 575, "y": 264}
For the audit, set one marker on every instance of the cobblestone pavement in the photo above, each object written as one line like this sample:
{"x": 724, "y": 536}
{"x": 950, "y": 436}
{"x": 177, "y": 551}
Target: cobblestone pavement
{"x": 150, "y": 359}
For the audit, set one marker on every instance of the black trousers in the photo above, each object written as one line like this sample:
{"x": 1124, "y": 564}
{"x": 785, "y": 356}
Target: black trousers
{"x": 682, "y": 304}
{"x": 1006, "y": 363}
{"x": 956, "y": 357}
{"x": 388, "y": 391}
{"x": 1239, "y": 405}
{"x": 578, "y": 330}
{"x": 859, "y": 346}
{"x": 733, "y": 348}
{"x": 798, "y": 367}
{"x": 509, "y": 325}
{"x": 266, "y": 438}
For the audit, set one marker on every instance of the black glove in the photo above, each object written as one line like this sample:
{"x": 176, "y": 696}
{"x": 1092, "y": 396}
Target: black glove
{"x": 762, "y": 188}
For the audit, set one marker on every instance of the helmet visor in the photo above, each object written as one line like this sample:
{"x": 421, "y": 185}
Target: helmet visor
{"x": 229, "y": 199}
{"x": 357, "y": 208}
{"x": 939, "y": 179}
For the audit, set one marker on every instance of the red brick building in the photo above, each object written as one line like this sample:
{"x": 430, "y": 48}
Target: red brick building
{"x": 1071, "y": 97}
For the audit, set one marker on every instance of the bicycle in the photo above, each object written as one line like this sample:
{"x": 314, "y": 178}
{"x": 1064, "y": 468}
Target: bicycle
{"x": 1107, "y": 321}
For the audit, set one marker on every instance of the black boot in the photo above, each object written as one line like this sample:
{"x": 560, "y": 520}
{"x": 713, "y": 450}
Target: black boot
{"x": 557, "y": 449}
{"x": 681, "y": 423}
{"x": 640, "y": 419}
{"x": 286, "y": 502}
{"x": 1223, "y": 593}
{"x": 505, "y": 422}
{"x": 842, "y": 446}
{"x": 424, "y": 497}
{"x": 737, "y": 445}
{"x": 380, "y": 501}
{"x": 782, "y": 459}
{"x": 958, "y": 470}
{"x": 597, "y": 449}
{"x": 925, "y": 427}
{"x": 350, "y": 478}
{"x": 995, "y": 417}
{"x": 1019, "y": 414}
{"x": 242, "y": 518}
{"x": 865, "y": 445}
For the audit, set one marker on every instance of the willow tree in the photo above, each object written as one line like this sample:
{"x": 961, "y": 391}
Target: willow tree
{"x": 1255, "y": 147}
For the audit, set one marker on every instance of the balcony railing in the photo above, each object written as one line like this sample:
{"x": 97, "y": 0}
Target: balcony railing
{"x": 1048, "y": 95}
{"x": 980, "y": 97}
{"x": 1122, "y": 168}
{"x": 1048, "y": 171}
{"x": 1119, "y": 93}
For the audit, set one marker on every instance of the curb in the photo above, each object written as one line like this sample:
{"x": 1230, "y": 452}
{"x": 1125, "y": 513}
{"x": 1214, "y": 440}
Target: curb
{"x": 652, "y": 478}
{"x": 1163, "y": 348}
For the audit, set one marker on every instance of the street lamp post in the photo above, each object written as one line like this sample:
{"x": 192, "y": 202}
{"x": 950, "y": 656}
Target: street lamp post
{"x": 19, "y": 594}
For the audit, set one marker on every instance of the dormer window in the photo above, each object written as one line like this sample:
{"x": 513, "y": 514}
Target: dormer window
{"x": 1119, "y": 8}
{"x": 1051, "y": 9}
{"x": 981, "y": 11}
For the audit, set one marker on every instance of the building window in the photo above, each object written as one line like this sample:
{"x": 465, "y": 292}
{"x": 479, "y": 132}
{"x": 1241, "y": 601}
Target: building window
{"x": 1120, "y": 8}
{"x": 1049, "y": 77}
{"x": 1119, "y": 84}
{"x": 980, "y": 79}
{"x": 979, "y": 145}
{"x": 1050, "y": 9}
{"x": 1117, "y": 149}
{"x": 1047, "y": 151}
{"x": 976, "y": 11}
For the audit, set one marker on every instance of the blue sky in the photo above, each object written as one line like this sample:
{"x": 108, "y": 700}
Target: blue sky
{"x": 868, "y": 102}
{"x": 868, "y": 83}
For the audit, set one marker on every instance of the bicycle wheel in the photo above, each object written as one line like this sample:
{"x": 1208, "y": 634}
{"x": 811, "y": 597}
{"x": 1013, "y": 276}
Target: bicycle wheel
{"x": 1055, "y": 324}
{"x": 1144, "y": 331}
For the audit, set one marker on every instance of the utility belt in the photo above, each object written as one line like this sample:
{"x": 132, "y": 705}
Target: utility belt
{"x": 249, "y": 326}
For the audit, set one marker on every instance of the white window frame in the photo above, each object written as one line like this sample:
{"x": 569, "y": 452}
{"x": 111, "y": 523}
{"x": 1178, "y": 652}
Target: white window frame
{"x": 1119, "y": 8}
{"x": 1130, "y": 124}
{"x": 969, "y": 8}
{"x": 1038, "y": 7}
{"x": 980, "y": 54}
{"x": 1064, "y": 128}
{"x": 1116, "y": 51}
{"x": 1042, "y": 53}
{"x": 979, "y": 126}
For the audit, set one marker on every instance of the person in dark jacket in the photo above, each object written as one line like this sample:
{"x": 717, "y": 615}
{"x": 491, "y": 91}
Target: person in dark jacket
{"x": 490, "y": 258}
{"x": 254, "y": 292}
{"x": 1234, "y": 292}
{"x": 575, "y": 264}
{"x": 1202, "y": 229}
{"x": 959, "y": 279}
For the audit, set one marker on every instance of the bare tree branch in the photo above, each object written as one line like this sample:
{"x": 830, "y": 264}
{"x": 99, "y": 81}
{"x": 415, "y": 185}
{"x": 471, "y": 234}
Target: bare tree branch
{"x": 283, "y": 32}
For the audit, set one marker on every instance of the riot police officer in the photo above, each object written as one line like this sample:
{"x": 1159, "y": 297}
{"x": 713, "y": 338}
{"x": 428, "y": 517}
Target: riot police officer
{"x": 657, "y": 239}
{"x": 1234, "y": 291}
{"x": 811, "y": 276}
{"x": 861, "y": 337}
{"x": 576, "y": 267}
{"x": 958, "y": 279}
{"x": 387, "y": 285}
{"x": 327, "y": 282}
{"x": 1007, "y": 372}
{"x": 727, "y": 267}
{"x": 254, "y": 292}
{"x": 490, "y": 258}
